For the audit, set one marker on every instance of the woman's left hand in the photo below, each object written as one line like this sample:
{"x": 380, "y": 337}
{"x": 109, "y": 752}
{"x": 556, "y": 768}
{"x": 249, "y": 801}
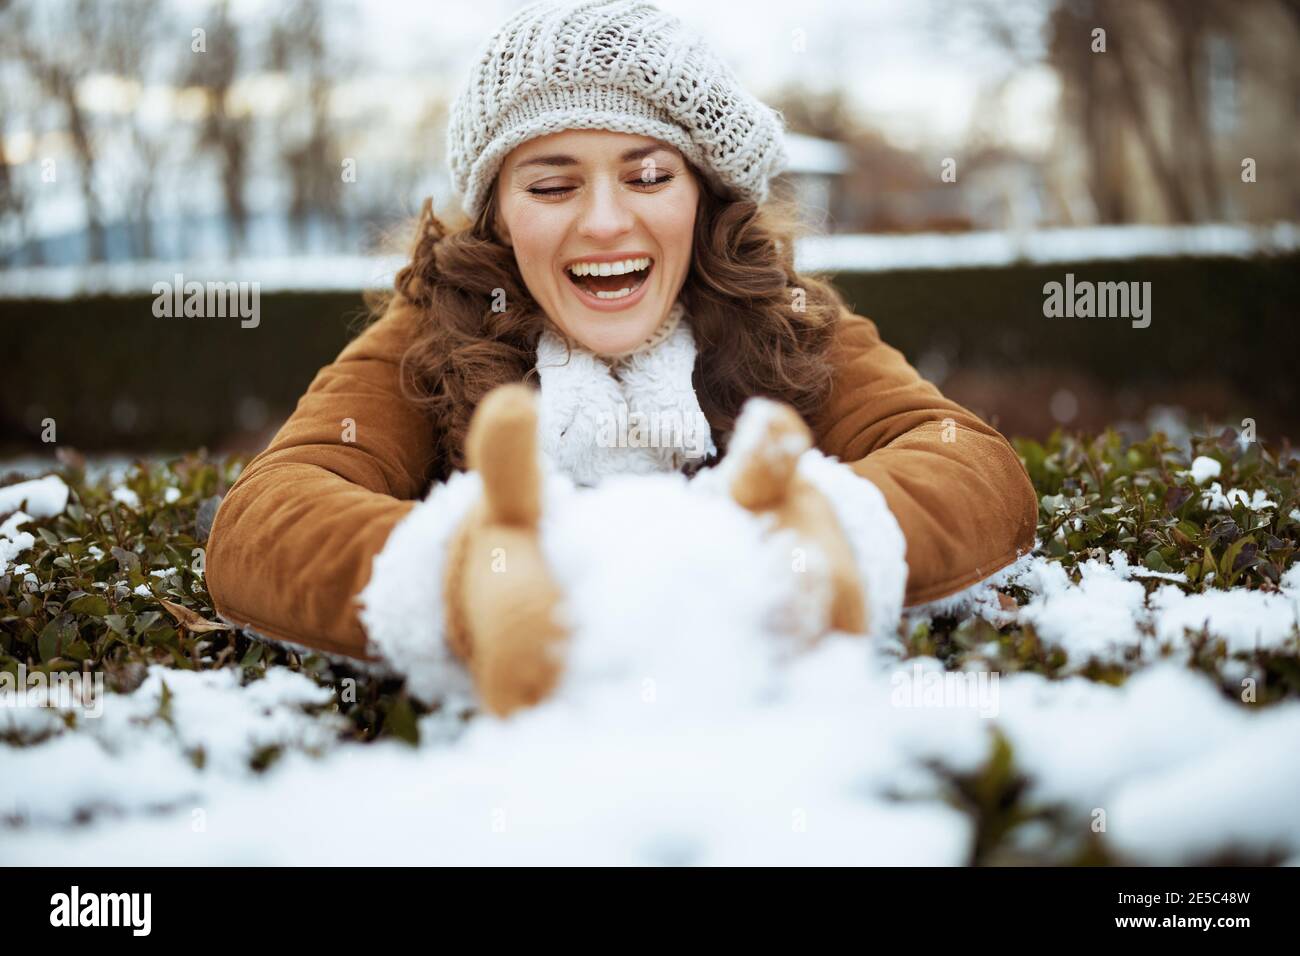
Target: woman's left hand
{"x": 769, "y": 439}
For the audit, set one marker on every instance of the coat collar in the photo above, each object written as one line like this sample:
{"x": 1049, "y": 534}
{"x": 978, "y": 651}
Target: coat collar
{"x": 635, "y": 413}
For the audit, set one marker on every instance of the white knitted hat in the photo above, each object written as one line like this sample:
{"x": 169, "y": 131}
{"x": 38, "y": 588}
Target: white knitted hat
{"x": 618, "y": 65}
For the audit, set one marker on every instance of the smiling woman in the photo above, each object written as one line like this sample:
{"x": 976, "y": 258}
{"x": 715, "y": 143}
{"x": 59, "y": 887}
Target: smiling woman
{"x": 601, "y": 225}
{"x": 622, "y": 261}
{"x": 726, "y": 261}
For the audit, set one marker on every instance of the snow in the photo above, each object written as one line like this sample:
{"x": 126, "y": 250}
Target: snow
{"x": 683, "y": 731}
{"x": 111, "y": 469}
{"x": 834, "y": 253}
{"x": 1216, "y": 499}
{"x": 14, "y": 542}
{"x": 1197, "y": 809}
{"x": 339, "y": 273}
{"x": 1244, "y": 620}
{"x": 1204, "y": 468}
{"x": 1181, "y": 773}
{"x": 1109, "y": 614}
{"x": 618, "y": 777}
{"x": 1096, "y": 618}
{"x": 126, "y": 496}
{"x": 681, "y": 735}
{"x": 40, "y": 497}
{"x": 129, "y": 758}
{"x": 878, "y": 253}
{"x": 810, "y": 776}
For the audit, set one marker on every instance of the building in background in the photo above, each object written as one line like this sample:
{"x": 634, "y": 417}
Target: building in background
{"x": 816, "y": 171}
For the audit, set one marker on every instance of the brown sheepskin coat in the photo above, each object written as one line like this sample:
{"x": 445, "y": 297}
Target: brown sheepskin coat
{"x": 294, "y": 539}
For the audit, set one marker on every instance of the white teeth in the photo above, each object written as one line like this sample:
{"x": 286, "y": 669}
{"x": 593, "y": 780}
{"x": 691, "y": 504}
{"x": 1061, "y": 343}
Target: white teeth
{"x": 610, "y": 268}
{"x": 614, "y": 295}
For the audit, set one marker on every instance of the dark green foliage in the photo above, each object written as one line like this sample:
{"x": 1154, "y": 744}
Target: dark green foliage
{"x": 1230, "y": 322}
{"x": 77, "y": 605}
{"x": 1099, "y": 495}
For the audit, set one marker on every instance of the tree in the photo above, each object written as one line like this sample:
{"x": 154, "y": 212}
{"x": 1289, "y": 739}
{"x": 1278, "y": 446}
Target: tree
{"x": 60, "y": 45}
{"x": 56, "y": 43}
{"x": 222, "y": 129}
{"x": 128, "y": 51}
{"x": 15, "y": 202}
{"x": 298, "y": 46}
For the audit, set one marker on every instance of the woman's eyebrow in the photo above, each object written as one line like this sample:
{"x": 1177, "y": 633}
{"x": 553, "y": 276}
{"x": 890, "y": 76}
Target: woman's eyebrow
{"x": 559, "y": 159}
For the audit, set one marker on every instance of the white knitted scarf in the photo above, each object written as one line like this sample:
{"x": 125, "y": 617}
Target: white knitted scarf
{"x": 633, "y": 414}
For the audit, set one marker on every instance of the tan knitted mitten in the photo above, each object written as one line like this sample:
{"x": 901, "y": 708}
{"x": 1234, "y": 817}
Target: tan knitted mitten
{"x": 502, "y": 603}
{"x": 766, "y": 482}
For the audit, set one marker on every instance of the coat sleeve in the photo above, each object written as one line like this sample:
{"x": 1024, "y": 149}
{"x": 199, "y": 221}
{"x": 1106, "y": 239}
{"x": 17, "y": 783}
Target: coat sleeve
{"x": 955, "y": 487}
{"x": 294, "y": 541}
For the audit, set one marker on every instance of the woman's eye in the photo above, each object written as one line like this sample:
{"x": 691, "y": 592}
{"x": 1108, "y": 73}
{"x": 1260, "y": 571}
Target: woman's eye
{"x": 667, "y": 177}
{"x": 561, "y": 190}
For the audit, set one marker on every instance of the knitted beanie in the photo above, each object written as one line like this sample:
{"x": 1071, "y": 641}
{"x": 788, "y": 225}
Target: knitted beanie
{"x": 620, "y": 65}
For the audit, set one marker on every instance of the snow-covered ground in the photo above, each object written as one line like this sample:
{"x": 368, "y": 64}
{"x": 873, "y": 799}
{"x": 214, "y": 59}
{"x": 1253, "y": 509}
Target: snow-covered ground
{"x": 830, "y": 253}
{"x": 110, "y": 468}
{"x": 683, "y": 734}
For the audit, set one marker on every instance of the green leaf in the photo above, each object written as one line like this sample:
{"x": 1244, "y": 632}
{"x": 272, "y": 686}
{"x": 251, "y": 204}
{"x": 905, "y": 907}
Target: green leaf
{"x": 253, "y": 655}
{"x": 1155, "y": 561}
{"x": 50, "y": 642}
{"x": 164, "y": 636}
{"x": 164, "y": 711}
{"x": 91, "y": 604}
{"x": 1226, "y": 564}
{"x": 400, "y": 721}
{"x": 127, "y": 560}
{"x": 143, "y": 622}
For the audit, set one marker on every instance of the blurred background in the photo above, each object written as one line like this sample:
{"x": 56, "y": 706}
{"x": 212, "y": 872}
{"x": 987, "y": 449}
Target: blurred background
{"x": 950, "y": 157}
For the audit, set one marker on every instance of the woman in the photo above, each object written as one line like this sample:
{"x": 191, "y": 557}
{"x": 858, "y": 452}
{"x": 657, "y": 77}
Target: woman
{"x": 621, "y": 275}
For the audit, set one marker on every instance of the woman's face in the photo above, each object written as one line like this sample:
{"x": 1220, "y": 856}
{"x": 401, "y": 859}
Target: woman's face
{"x": 601, "y": 201}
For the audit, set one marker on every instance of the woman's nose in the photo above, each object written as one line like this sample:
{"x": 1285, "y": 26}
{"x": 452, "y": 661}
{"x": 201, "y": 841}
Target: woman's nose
{"x": 604, "y": 214}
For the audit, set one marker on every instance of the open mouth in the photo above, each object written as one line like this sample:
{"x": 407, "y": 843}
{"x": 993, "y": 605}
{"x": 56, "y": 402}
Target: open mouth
{"x": 610, "y": 281}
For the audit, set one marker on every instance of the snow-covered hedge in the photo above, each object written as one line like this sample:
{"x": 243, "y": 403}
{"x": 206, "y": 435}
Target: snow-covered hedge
{"x": 1147, "y": 655}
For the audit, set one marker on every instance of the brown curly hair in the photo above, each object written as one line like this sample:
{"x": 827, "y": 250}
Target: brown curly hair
{"x": 760, "y": 327}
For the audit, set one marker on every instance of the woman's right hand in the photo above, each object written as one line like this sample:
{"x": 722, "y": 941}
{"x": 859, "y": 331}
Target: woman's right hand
{"x": 504, "y": 609}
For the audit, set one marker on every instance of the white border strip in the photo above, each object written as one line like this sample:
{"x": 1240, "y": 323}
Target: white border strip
{"x": 835, "y": 253}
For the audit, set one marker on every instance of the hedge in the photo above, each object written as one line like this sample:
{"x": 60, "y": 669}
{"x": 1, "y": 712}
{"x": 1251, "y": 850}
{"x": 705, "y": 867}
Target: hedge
{"x": 113, "y": 376}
